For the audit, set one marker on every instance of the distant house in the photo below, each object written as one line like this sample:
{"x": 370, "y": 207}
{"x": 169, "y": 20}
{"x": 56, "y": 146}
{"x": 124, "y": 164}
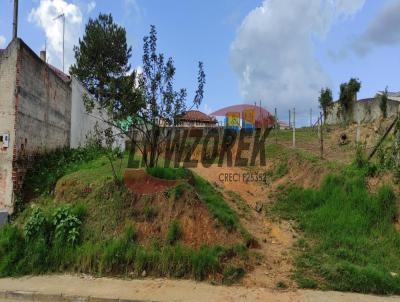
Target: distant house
{"x": 283, "y": 125}
{"x": 196, "y": 119}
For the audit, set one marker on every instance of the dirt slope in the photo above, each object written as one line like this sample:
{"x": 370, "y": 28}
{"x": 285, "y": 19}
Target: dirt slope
{"x": 275, "y": 239}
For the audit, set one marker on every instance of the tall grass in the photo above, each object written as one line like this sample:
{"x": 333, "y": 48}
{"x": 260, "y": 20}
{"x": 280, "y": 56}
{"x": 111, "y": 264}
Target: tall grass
{"x": 120, "y": 256}
{"x": 350, "y": 239}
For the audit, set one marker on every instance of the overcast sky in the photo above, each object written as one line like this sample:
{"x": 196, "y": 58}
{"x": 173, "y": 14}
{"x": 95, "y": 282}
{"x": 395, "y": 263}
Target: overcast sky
{"x": 278, "y": 51}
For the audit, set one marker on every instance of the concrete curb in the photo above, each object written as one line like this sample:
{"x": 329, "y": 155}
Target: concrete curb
{"x": 18, "y": 296}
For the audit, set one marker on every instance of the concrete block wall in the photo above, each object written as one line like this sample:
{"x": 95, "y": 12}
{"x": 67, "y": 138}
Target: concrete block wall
{"x": 41, "y": 111}
{"x": 44, "y": 111}
{"x": 8, "y": 59}
{"x": 364, "y": 111}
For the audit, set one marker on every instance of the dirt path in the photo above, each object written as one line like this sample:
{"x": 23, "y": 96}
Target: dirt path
{"x": 166, "y": 290}
{"x": 275, "y": 239}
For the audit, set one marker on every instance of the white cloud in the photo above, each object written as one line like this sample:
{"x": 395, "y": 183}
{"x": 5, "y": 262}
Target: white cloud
{"x": 273, "y": 52}
{"x": 91, "y": 6}
{"x": 132, "y": 6}
{"x": 383, "y": 30}
{"x": 2, "y": 41}
{"x": 43, "y": 16}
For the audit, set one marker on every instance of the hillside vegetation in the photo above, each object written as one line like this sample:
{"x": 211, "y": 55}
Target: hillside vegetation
{"x": 349, "y": 242}
{"x": 80, "y": 220}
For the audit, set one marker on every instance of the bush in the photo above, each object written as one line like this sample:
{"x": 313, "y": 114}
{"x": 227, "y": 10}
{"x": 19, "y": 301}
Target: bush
{"x": 67, "y": 225}
{"x": 35, "y": 225}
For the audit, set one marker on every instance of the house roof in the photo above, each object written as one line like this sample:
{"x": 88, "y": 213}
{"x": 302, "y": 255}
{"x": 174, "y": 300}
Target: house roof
{"x": 195, "y": 115}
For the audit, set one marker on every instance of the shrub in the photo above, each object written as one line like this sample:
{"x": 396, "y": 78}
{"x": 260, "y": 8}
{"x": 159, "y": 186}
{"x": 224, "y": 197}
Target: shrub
{"x": 67, "y": 225}
{"x": 35, "y": 225}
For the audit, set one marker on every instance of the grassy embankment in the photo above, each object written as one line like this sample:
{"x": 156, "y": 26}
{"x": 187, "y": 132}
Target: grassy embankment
{"x": 349, "y": 239}
{"x": 90, "y": 227}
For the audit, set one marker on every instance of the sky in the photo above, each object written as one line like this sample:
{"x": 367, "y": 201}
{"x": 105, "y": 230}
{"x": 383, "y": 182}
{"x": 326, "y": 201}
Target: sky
{"x": 279, "y": 52}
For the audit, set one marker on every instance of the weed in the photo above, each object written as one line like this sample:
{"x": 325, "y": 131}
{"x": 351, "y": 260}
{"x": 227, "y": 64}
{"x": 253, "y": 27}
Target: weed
{"x": 149, "y": 212}
{"x": 35, "y": 225}
{"x": 67, "y": 225}
{"x": 174, "y": 232}
{"x": 281, "y": 170}
{"x": 240, "y": 202}
{"x": 179, "y": 189}
{"x": 281, "y": 285}
{"x": 232, "y": 274}
{"x": 306, "y": 282}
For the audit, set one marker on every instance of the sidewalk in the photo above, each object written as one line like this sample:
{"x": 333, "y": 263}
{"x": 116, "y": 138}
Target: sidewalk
{"x": 56, "y": 288}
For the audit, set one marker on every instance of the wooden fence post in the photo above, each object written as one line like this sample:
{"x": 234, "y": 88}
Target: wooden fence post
{"x": 321, "y": 136}
{"x": 294, "y": 127}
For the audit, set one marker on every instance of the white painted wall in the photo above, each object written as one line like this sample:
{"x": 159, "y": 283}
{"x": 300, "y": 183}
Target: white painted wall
{"x": 83, "y": 123}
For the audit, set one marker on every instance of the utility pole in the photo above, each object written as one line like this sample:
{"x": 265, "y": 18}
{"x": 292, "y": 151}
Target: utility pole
{"x": 311, "y": 117}
{"x": 62, "y": 16}
{"x": 15, "y": 20}
{"x": 294, "y": 127}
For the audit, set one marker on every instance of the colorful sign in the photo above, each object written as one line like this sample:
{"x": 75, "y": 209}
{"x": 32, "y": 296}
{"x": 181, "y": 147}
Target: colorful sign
{"x": 233, "y": 119}
{"x": 249, "y": 118}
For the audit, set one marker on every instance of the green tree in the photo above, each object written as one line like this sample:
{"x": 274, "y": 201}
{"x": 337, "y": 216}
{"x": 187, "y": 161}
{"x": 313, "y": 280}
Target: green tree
{"x": 348, "y": 94}
{"x": 164, "y": 104}
{"x": 383, "y": 100}
{"x": 144, "y": 105}
{"x": 102, "y": 58}
{"x": 102, "y": 65}
{"x": 325, "y": 101}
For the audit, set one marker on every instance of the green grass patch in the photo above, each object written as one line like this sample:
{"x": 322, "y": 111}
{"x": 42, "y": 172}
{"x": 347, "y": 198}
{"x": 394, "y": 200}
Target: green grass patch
{"x": 216, "y": 204}
{"x": 354, "y": 245}
{"x": 169, "y": 173}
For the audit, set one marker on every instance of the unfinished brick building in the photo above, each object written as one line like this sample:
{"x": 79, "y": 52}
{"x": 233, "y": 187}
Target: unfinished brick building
{"x": 35, "y": 113}
{"x": 39, "y": 105}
